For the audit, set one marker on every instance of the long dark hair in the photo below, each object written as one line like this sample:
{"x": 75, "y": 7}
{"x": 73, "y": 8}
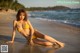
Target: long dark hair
{"x": 18, "y": 14}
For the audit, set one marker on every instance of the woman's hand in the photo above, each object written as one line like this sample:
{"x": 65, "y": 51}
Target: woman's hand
{"x": 10, "y": 42}
{"x": 31, "y": 42}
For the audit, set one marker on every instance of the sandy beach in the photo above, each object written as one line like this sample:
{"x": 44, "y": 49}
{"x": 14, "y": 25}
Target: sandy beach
{"x": 65, "y": 33}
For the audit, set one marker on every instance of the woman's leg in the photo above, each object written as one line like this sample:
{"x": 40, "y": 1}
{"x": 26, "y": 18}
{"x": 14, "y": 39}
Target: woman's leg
{"x": 42, "y": 42}
{"x": 48, "y": 38}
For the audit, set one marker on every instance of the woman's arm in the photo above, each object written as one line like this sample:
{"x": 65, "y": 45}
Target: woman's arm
{"x": 31, "y": 32}
{"x": 14, "y": 29}
{"x": 13, "y": 32}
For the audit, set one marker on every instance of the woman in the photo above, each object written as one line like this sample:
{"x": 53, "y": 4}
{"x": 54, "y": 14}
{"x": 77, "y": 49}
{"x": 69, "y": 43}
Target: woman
{"x": 23, "y": 25}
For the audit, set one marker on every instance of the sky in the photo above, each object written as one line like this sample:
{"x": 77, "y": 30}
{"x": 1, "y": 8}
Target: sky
{"x": 50, "y": 3}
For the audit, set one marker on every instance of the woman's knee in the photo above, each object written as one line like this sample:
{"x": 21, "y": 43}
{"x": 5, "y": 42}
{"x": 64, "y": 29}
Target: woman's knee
{"x": 48, "y": 43}
{"x": 36, "y": 41}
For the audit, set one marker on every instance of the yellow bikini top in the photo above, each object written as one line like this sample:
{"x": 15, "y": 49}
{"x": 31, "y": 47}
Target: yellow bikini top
{"x": 25, "y": 26}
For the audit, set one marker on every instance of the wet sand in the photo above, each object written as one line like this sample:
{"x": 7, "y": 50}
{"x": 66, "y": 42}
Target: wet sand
{"x": 65, "y": 33}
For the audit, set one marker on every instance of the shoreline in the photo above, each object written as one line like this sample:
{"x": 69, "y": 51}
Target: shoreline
{"x": 60, "y": 24}
{"x": 64, "y": 22}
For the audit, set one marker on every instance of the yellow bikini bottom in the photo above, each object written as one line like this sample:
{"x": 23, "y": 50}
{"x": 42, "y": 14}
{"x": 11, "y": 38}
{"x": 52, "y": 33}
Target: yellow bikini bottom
{"x": 33, "y": 37}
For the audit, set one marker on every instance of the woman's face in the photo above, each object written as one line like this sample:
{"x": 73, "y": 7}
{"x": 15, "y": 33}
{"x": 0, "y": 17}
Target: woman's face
{"x": 22, "y": 16}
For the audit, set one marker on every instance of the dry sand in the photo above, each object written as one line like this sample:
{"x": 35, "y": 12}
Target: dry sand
{"x": 65, "y": 33}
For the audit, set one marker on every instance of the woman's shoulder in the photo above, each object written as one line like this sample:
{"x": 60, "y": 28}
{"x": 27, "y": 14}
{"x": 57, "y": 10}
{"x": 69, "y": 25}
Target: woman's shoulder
{"x": 14, "y": 21}
{"x": 26, "y": 21}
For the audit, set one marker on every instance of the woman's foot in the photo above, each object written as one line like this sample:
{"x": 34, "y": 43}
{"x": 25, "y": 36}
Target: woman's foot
{"x": 62, "y": 45}
{"x": 58, "y": 45}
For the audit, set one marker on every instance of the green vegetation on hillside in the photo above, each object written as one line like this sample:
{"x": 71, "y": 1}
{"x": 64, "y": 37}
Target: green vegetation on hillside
{"x": 15, "y": 5}
{"x": 10, "y": 4}
{"x": 48, "y": 8}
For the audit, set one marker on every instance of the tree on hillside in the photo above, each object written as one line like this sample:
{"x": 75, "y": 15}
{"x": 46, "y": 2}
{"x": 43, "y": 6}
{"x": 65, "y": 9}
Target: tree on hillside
{"x": 10, "y": 4}
{"x": 17, "y": 5}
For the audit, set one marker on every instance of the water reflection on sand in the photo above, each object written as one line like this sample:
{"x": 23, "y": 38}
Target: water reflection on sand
{"x": 24, "y": 48}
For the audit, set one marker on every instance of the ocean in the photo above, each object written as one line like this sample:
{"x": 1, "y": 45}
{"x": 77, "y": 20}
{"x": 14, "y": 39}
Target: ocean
{"x": 70, "y": 17}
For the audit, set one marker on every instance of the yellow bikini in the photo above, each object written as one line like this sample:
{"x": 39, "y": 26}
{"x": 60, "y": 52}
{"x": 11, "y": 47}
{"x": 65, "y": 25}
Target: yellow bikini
{"x": 26, "y": 26}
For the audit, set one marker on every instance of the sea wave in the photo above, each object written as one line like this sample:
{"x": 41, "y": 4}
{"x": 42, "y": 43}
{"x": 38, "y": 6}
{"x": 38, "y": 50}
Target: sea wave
{"x": 71, "y": 17}
{"x": 76, "y": 24}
